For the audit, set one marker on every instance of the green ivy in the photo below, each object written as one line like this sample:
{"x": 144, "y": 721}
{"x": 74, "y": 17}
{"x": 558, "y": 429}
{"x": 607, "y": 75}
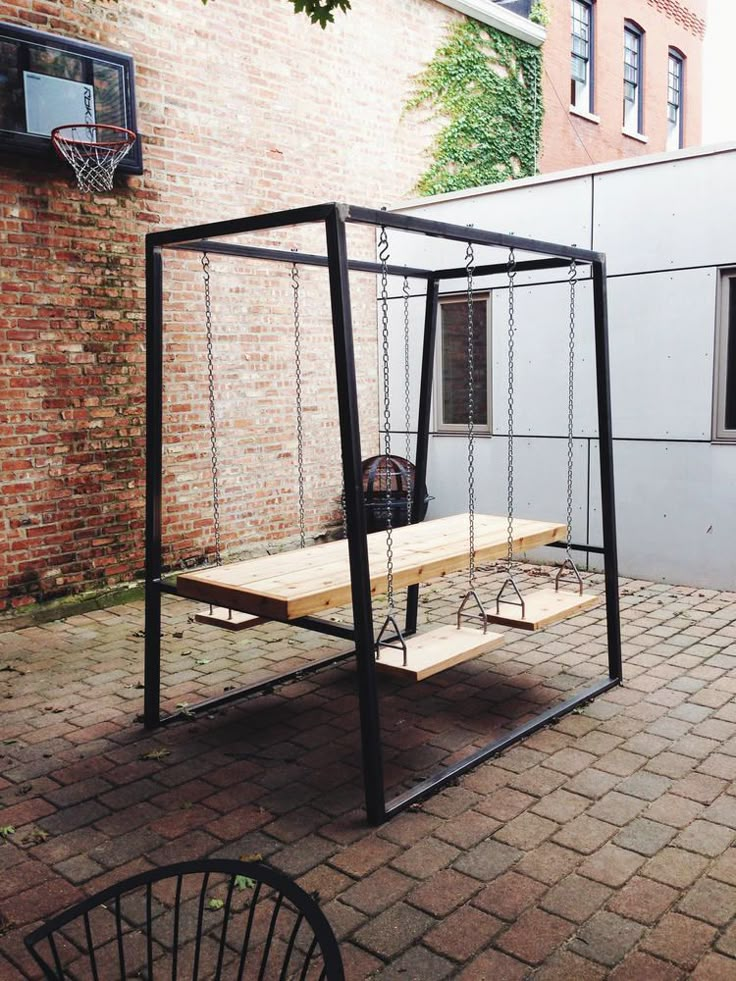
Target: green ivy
{"x": 539, "y": 13}
{"x": 487, "y": 86}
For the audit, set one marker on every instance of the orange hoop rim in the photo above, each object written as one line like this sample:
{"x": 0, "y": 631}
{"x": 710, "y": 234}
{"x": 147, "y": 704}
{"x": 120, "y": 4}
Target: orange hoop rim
{"x": 128, "y": 137}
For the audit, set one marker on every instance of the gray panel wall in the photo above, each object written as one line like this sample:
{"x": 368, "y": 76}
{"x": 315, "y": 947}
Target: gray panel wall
{"x": 666, "y": 228}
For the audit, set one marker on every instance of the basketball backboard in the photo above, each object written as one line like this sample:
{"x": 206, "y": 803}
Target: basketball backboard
{"x": 48, "y": 81}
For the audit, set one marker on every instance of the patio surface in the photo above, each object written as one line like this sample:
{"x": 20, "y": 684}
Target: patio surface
{"x": 600, "y": 847}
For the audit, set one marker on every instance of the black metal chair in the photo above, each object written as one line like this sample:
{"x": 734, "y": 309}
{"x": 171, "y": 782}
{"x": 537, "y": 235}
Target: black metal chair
{"x": 210, "y": 920}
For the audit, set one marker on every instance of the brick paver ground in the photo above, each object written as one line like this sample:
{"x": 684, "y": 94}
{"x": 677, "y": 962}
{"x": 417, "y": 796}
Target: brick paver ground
{"x": 600, "y": 847}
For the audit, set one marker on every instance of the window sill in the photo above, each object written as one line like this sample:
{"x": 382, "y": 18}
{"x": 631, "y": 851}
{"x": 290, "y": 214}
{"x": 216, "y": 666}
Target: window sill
{"x": 590, "y": 116}
{"x": 501, "y": 19}
{"x": 635, "y": 136}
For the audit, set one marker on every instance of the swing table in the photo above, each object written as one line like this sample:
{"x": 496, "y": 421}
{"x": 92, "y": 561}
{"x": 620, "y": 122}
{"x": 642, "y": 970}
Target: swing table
{"x": 336, "y": 574}
{"x": 310, "y": 581}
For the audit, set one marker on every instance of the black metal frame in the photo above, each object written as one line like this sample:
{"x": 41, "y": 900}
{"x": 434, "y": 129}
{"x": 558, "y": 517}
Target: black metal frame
{"x": 335, "y": 217}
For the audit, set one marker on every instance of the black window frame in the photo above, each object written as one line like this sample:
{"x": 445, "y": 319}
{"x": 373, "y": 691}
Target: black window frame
{"x": 582, "y": 50}
{"x": 16, "y": 143}
{"x": 724, "y": 381}
{"x": 676, "y": 57}
{"x": 633, "y": 30}
{"x": 483, "y": 395}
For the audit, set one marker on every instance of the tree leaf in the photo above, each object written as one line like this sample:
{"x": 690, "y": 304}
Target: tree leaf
{"x": 320, "y": 11}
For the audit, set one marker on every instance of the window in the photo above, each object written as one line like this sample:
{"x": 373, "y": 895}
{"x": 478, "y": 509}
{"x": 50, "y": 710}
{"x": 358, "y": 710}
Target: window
{"x": 632, "y": 79}
{"x": 674, "y": 100}
{"x": 581, "y": 86}
{"x": 452, "y": 374}
{"x": 724, "y": 402}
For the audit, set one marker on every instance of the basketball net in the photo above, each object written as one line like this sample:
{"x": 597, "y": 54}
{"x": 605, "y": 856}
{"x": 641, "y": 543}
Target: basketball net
{"x": 93, "y": 151}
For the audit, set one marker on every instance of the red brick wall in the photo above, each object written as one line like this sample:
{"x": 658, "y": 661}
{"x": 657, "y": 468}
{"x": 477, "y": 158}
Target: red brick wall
{"x": 243, "y": 107}
{"x": 572, "y": 141}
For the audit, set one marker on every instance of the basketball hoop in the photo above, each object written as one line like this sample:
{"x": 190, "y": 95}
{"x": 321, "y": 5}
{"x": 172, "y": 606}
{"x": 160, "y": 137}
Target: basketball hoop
{"x": 93, "y": 150}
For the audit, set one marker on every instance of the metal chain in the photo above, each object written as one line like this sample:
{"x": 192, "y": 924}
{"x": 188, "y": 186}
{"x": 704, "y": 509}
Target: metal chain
{"x": 344, "y": 508}
{"x": 469, "y": 267}
{"x": 213, "y": 414}
{"x": 407, "y": 401}
{"x": 573, "y": 278}
{"x": 383, "y": 255}
{"x": 299, "y": 409}
{"x": 511, "y": 273}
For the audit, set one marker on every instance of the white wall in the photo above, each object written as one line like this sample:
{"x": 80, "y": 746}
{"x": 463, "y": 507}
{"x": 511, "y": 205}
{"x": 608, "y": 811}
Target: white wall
{"x": 666, "y": 227}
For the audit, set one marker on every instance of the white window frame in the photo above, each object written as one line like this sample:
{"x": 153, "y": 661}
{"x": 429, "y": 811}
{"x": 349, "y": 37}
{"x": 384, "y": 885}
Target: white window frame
{"x": 675, "y": 129}
{"x": 721, "y": 381}
{"x": 460, "y": 428}
{"x": 581, "y": 92}
{"x": 633, "y": 112}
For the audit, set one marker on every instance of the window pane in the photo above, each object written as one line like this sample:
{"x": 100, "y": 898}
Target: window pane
{"x": 730, "y": 420}
{"x": 674, "y": 101}
{"x": 580, "y": 29}
{"x": 454, "y": 340}
{"x": 580, "y": 12}
{"x": 580, "y": 47}
{"x": 631, "y": 49}
{"x": 632, "y": 80}
{"x": 579, "y": 70}
{"x": 674, "y": 81}
{"x": 581, "y": 90}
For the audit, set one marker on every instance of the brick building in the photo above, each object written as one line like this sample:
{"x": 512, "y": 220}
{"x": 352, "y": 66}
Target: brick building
{"x": 634, "y": 85}
{"x": 241, "y": 107}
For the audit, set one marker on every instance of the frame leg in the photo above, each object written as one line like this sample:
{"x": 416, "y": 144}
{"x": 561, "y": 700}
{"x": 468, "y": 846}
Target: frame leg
{"x": 154, "y": 478}
{"x": 613, "y": 621}
{"x": 347, "y": 401}
{"x": 152, "y": 658}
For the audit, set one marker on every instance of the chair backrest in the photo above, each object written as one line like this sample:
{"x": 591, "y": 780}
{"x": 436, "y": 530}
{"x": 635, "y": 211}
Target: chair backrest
{"x": 212, "y": 920}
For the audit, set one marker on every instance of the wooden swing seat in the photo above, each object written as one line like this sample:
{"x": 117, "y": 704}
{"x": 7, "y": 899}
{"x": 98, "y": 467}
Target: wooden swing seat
{"x": 436, "y": 650}
{"x": 542, "y": 607}
{"x": 229, "y": 619}
{"x": 311, "y": 581}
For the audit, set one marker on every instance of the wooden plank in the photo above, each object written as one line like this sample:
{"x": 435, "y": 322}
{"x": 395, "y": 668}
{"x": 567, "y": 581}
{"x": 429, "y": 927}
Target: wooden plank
{"x": 316, "y": 579}
{"x": 542, "y": 607}
{"x": 433, "y": 559}
{"x": 229, "y": 619}
{"x": 437, "y": 650}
